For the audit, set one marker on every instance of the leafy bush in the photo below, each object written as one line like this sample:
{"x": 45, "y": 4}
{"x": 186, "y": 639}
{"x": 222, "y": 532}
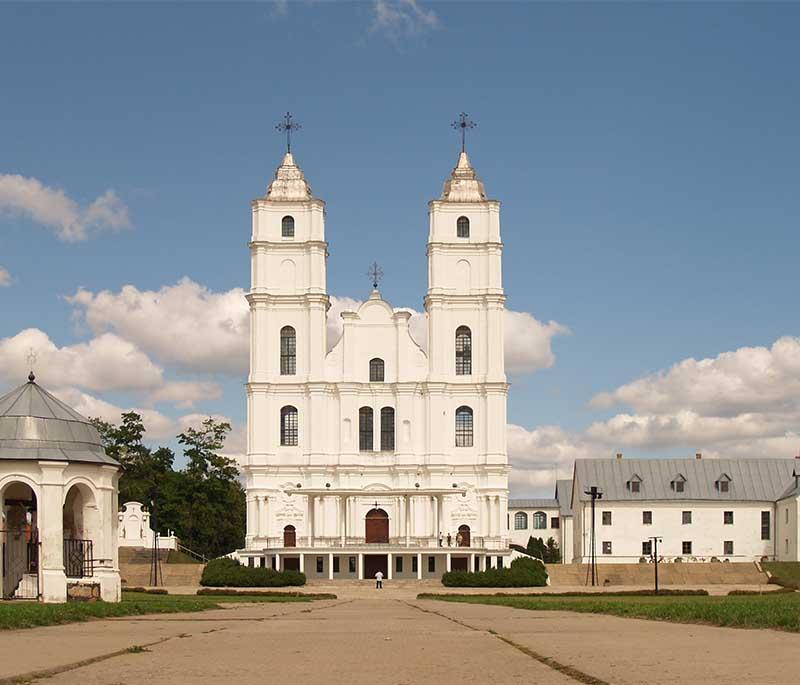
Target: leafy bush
{"x": 147, "y": 590}
{"x": 230, "y": 573}
{"x": 215, "y": 592}
{"x": 780, "y": 590}
{"x": 523, "y": 572}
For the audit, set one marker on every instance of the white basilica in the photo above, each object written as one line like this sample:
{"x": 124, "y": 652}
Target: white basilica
{"x": 375, "y": 454}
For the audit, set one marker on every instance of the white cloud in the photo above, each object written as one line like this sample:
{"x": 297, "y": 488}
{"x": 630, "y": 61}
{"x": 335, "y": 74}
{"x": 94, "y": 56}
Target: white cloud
{"x": 185, "y": 325}
{"x": 280, "y": 8}
{"x": 185, "y": 394}
{"x": 105, "y": 363}
{"x": 5, "y": 277}
{"x": 397, "y": 18}
{"x": 53, "y": 208}
{"x": 528, "y": 342}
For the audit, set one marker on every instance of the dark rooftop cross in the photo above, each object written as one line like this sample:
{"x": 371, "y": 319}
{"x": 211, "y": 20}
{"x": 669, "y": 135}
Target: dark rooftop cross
{"x": 376, "y": 274}
{"x": 463, "y": 123}
{"x": 287, "y": 126}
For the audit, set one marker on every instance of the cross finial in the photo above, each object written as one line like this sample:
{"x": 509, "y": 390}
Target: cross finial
{"x": 31, "y": 364}
{"x": 463, "y": 123}
{"x": 287, "y": 126}
{"x": 376, "y": 274}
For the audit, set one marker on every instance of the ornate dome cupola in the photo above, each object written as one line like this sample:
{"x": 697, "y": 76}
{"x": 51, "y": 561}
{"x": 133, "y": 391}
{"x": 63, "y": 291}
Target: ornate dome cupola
{"x": 463, "y": 184}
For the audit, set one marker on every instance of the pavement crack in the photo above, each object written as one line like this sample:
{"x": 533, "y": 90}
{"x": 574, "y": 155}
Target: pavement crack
{"x": 569, "y": 671}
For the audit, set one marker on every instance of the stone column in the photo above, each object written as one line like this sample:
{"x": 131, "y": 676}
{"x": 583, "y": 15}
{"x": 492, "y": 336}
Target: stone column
{"x": 361, "y": 566}
{"x": 310, "y": 521}
{"x": 448, "y": 562}
{"x": 50, "y": 503}
{"x": 342, "y": 499}
{"x": 263, "y": 525}
{"x": 419, "y": 566}
{"x": 251, "y": 521}
{"x": 407, "y": 503}
{"x": 472, "y": 562}
{"x": 389, "y": 566}
{"x": 439, "y": 513}
{"x": 302, "y": 563}
{"x": 330, "y": 566}
{"x": 277, "y": 562}
{"x": 257, "y": 532}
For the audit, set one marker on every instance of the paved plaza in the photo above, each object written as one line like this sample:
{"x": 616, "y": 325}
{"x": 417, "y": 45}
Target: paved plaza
{"x": 370, "y": 637}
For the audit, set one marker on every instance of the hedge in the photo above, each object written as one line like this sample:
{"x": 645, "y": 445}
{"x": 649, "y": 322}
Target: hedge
{"x": 524, "y": 572}
{"x": 230, "y": 573}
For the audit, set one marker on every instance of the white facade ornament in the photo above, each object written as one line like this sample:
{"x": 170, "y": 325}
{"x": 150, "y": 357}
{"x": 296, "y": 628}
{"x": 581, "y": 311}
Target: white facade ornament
{"x": 289, "y": 184}
{"x": 463, "y": 184}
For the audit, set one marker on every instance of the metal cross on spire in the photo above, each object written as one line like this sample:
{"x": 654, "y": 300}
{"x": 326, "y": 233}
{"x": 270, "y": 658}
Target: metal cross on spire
{"x": 31, "y": 358}
{"x": 287, "y": 126}
{"x": 463, "y": 123}
{"x": 375, "y": 274}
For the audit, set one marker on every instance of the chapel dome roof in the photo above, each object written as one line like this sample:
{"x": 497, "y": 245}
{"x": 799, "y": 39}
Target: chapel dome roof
{"x": 35, "y": 425}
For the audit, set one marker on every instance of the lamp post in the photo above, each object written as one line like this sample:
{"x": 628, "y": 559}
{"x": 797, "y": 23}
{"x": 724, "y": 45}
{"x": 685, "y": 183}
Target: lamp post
{"x": 595, "y": 493}
{"x": 655, "y": 540}
{"x": 156, "y": 578}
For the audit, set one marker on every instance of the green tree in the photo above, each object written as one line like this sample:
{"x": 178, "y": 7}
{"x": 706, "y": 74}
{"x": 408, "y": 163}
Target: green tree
{"x": 536, "y": 548}
{"x": 552, "y": 552}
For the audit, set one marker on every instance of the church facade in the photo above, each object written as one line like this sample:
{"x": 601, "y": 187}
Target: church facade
{"x": 371, "y": 453}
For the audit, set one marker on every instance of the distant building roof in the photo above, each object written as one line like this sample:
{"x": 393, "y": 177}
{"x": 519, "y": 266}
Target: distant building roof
{"x": 564, "y": 496}
{"x": 34, "y": 425}
{"x": 532, "y": 504}
{"x": 762, "y": 480}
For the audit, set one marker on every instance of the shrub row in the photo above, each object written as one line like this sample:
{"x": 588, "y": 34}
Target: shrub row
{"x": 524, "y": 572}
{"x": 146, "y": 590}
{"x": 264, "y": 593}
{"x": 779, "y": 591}
{"x": 230, "y": 573}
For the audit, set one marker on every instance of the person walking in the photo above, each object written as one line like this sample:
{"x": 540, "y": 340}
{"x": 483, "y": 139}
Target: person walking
{"x": 379, "y": 580}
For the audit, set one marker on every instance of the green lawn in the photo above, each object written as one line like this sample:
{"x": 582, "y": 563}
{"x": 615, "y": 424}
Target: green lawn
{"x": 15, "y": 615}
{"x": 780, "y": 611}
{"x": 783, "y": 570}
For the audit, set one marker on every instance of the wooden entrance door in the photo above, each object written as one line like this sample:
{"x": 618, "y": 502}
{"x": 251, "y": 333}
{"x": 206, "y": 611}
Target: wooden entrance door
{"x": 374, "y": 563}
{"x": 376, "y": 526}
{"x": 289, "y": 537}
{"x": 464, "y": 532}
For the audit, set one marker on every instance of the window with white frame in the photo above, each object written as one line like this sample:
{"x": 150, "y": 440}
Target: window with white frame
{"x": 540, "y": 520}
{"x": 520, "y": 521}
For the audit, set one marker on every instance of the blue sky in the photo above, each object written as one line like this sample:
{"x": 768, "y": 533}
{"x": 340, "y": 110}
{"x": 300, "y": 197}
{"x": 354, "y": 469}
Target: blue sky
{"x": 646, "y": 156}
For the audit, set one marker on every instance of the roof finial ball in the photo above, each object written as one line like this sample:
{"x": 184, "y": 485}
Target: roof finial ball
{"x": 31, "y": 364}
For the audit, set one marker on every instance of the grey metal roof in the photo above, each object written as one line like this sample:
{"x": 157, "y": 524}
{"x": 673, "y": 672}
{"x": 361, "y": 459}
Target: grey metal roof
{"x": 34, "y": 425}
{"x": 762, "y": 480}
{"x": 532, "y": 504}
{"x": 564, "y": 496}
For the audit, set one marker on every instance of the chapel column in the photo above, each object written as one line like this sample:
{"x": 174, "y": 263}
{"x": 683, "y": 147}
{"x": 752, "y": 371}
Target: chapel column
{"x": 51, "y": 532}
{"x": 310, "y": 520}
{"x": 407, "y": 502}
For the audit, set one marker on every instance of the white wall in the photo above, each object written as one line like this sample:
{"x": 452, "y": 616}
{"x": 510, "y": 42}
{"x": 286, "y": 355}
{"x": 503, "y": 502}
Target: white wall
{"x": 788, "y": 530}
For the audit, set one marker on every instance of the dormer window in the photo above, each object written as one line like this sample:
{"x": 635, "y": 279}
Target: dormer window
{"x": 723, "y": 483}
{"x": 462, "y": 227}
{"x": 678, "y": 483}
{"x": 287, "y": 227}
{"x": 634, "y": 485}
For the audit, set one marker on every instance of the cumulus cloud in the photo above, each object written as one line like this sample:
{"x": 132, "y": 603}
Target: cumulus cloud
{"x": 186, "y": 324}
{"x": 397, "y": 18}
{"x": 5, "y": 277}
{"x": 105, "y": 363}
{"x": 528, "y": 342}
{"x": 185, "y": 394}
{"x": 53, "y": 208}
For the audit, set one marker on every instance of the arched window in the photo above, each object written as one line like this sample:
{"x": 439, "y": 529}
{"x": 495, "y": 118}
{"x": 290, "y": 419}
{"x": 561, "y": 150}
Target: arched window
{"x": 387, "y": 429}
{"x": 462, "y": 227}
{"x": 289, "y": 426}
{"x": 540, "y": 520}
{"x": 376, "y": 370}
{"x": 520, "y": 521}
{"x": 287, "y": 227}
{"x": 463, "y": 427}
{"x": 288, "y": 351}
{"x": 463, "y": 351}
{"x": 365, "y": 429}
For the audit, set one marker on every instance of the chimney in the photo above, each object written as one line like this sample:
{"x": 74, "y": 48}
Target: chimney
{"x": 619, "y": 455}
{"x": 699, "y": 455}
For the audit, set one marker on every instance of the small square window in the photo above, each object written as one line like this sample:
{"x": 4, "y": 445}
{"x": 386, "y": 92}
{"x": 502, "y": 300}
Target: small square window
{"x": 686, "y": 517}
{"x": 606, "y": 518}
{"x": 686, "y": 547}
{"x": 727, "y": 518}
{"x": 555, "y": 522}
{"x": 647, "y": 518}
{"x": 647, "y": 548}
{"x": 351, "y": 564}
{"x": 727, "y": 547}
{"x": 606, "y": 547}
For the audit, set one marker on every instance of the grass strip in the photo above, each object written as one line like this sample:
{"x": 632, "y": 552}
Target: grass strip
{"x": 779, "y": 612}
{"x": 17, "y": 615}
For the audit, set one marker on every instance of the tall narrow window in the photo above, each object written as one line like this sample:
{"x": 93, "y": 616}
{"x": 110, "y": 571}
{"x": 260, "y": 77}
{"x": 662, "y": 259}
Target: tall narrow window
{"x": 365, "y": 429}
{"x": 462, "y": 227}
{"x": 463, "y": 351}
{"x": 287, "y": 227}
{"x": 765, "y": 525}
{"x": 387, "y": 429}
{"x": 288, "y": 351}
{"x": 463, "y": 427}
{"x": 289, "y": 426}
{"x": 376, "y": 370}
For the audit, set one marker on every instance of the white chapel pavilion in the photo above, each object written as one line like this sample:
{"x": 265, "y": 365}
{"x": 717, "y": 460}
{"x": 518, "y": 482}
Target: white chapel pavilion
{"x": 372, "y": 453}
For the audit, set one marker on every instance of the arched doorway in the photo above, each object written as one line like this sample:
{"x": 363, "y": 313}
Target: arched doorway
{"x": 463, "y": 531}
{"x": 19, "y": 534}
{"x": 81, "y": 528}
{"x": 377, "y": 526}
{"x": 289, "y": 536}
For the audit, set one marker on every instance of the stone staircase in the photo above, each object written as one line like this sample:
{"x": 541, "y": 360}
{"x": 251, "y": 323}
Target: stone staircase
{"x": 134, "y": 568}
{"x": 694, "y": 574}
